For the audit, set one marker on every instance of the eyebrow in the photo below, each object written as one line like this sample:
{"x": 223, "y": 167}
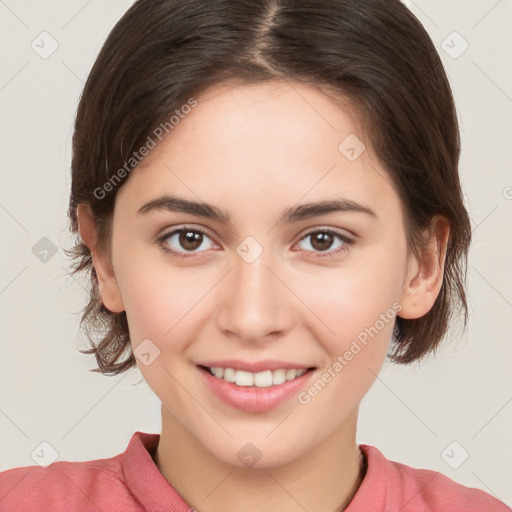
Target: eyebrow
{"x": 292, "y": 214}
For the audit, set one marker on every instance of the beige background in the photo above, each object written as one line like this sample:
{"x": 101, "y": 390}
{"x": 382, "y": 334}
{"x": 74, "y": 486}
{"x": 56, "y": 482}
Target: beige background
{"x": 411, "y": 414}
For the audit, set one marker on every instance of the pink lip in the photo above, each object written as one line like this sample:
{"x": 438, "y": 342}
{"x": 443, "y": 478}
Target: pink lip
{"x": 254, "y": 366}
{"x": 253, "y": 399}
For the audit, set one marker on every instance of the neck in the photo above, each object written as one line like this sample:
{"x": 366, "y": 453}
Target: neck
{"x": 323, "y": 479}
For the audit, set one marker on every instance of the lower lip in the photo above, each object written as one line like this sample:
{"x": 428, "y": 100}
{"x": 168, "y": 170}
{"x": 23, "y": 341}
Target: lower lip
{"x": 252, "y": 398}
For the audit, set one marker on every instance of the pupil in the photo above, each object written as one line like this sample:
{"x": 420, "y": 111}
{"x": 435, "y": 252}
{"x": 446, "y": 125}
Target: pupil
{"x": 322, "y": 241}
{"x": 190, "y": 240}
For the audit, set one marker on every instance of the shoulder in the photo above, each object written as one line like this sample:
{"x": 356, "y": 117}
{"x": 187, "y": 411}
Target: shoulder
{"x": 423, "y": 490}
{"x": 81, "y": 483}
{"x": 79, "y": 486}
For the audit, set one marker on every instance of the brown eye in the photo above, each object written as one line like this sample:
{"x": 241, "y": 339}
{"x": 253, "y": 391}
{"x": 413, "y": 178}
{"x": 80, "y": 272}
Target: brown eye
{"x": 186, "y": 240}
{"x": 323, "y": 241}
{"x": 190, "y": 240}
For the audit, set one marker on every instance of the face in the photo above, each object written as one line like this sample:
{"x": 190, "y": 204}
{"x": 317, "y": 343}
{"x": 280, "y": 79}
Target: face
{"x": 260, "y": 290}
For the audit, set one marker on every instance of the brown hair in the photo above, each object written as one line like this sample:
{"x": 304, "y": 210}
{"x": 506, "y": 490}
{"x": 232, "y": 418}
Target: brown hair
{"x": 374, "y": 53}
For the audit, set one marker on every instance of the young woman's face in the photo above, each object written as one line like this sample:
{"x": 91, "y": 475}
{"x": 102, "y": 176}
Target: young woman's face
{"x": 278, "y": 285}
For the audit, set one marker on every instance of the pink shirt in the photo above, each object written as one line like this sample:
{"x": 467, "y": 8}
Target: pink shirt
{"x": 132, "y": 482}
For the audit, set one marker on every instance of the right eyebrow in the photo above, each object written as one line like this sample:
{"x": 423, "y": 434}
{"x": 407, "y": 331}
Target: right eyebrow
{"x": 178, "y": 204}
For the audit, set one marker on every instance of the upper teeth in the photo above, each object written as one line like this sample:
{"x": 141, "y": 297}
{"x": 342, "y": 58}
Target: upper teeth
{"x": 261, "y": 379}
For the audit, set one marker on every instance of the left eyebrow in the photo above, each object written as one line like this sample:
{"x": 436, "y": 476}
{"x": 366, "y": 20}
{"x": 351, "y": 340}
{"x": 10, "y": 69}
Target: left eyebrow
{"x": 292, "y": 214}
{"x": 308, "y": 210}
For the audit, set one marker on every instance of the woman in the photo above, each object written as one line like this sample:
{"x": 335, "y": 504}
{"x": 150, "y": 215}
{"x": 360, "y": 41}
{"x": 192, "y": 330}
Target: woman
{"x": 268, "y": 203}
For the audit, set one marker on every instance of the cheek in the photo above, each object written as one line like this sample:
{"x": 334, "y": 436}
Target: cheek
{"x": 357, "y": 312}
{"x": 349, "y": 301}
{"x": 159, "y": 299}
{"x": 162, "y": 304}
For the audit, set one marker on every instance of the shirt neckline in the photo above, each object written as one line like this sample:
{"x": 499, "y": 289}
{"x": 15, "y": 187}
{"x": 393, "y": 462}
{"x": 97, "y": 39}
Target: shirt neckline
{"x": 154, "y": 492}
{"x": 144, "y": 479}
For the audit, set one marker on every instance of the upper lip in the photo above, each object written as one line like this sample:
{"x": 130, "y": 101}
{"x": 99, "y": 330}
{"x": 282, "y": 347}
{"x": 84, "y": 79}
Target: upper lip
{"x": 255, "y": 366}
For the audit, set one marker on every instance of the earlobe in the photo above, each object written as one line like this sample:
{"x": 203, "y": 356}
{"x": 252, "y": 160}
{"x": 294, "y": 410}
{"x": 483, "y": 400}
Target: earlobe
{"x": 425, "y": 275}
{"x": 107, "y": 281}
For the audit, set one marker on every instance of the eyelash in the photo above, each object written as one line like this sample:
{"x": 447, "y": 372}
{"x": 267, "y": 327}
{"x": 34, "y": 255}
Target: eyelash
{"x": 347, "y": 242}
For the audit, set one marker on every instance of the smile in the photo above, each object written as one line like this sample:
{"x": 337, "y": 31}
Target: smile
{"x": 262, "y": 379}
{"x": 257, "y": 391}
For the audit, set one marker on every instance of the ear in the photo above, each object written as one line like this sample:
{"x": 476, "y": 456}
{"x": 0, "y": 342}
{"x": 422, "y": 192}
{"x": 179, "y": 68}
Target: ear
{"x": 425, "y": 275}
{"x": 109, "y": 289}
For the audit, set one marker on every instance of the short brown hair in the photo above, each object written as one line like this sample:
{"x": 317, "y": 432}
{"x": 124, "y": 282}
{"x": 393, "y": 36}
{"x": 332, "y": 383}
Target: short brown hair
{"x": 375, "y": 53}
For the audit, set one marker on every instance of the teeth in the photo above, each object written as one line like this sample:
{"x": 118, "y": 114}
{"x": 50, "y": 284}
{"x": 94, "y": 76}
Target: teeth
{"x": 229, "y": 374}
{"x": 291, "y": 374}
{"x": 218, "y": 372}
{"x": 263, "y": 379}
{"x": 278, "y": 377}
{"x": 244, "y": 378}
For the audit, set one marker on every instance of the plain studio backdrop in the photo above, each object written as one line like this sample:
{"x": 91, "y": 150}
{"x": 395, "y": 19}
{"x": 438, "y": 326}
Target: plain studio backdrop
{"x": 452, "y": 414}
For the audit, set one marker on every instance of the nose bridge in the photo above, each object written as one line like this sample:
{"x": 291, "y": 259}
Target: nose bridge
{"x": 254, "y": 304}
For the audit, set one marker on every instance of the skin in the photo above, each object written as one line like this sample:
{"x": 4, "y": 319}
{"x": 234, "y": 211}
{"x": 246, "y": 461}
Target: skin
{"x": 255, "y": 150}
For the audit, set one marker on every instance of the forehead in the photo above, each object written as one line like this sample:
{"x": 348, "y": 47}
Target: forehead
{"x": 278, "y": 141}
{"x": 268, "y": 119}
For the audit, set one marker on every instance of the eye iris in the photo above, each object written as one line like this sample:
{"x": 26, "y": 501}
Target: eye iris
{"x": 190, "y": 240}
{"x": 322, "y": 241}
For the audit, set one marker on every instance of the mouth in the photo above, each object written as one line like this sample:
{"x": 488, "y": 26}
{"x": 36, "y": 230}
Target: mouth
{"x": 262, "y": 379}
{"x": 255, "y": 391}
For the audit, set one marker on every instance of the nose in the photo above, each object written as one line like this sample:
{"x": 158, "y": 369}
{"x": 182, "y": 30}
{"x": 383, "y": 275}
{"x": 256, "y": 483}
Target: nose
{"x": 255, "y": 304}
